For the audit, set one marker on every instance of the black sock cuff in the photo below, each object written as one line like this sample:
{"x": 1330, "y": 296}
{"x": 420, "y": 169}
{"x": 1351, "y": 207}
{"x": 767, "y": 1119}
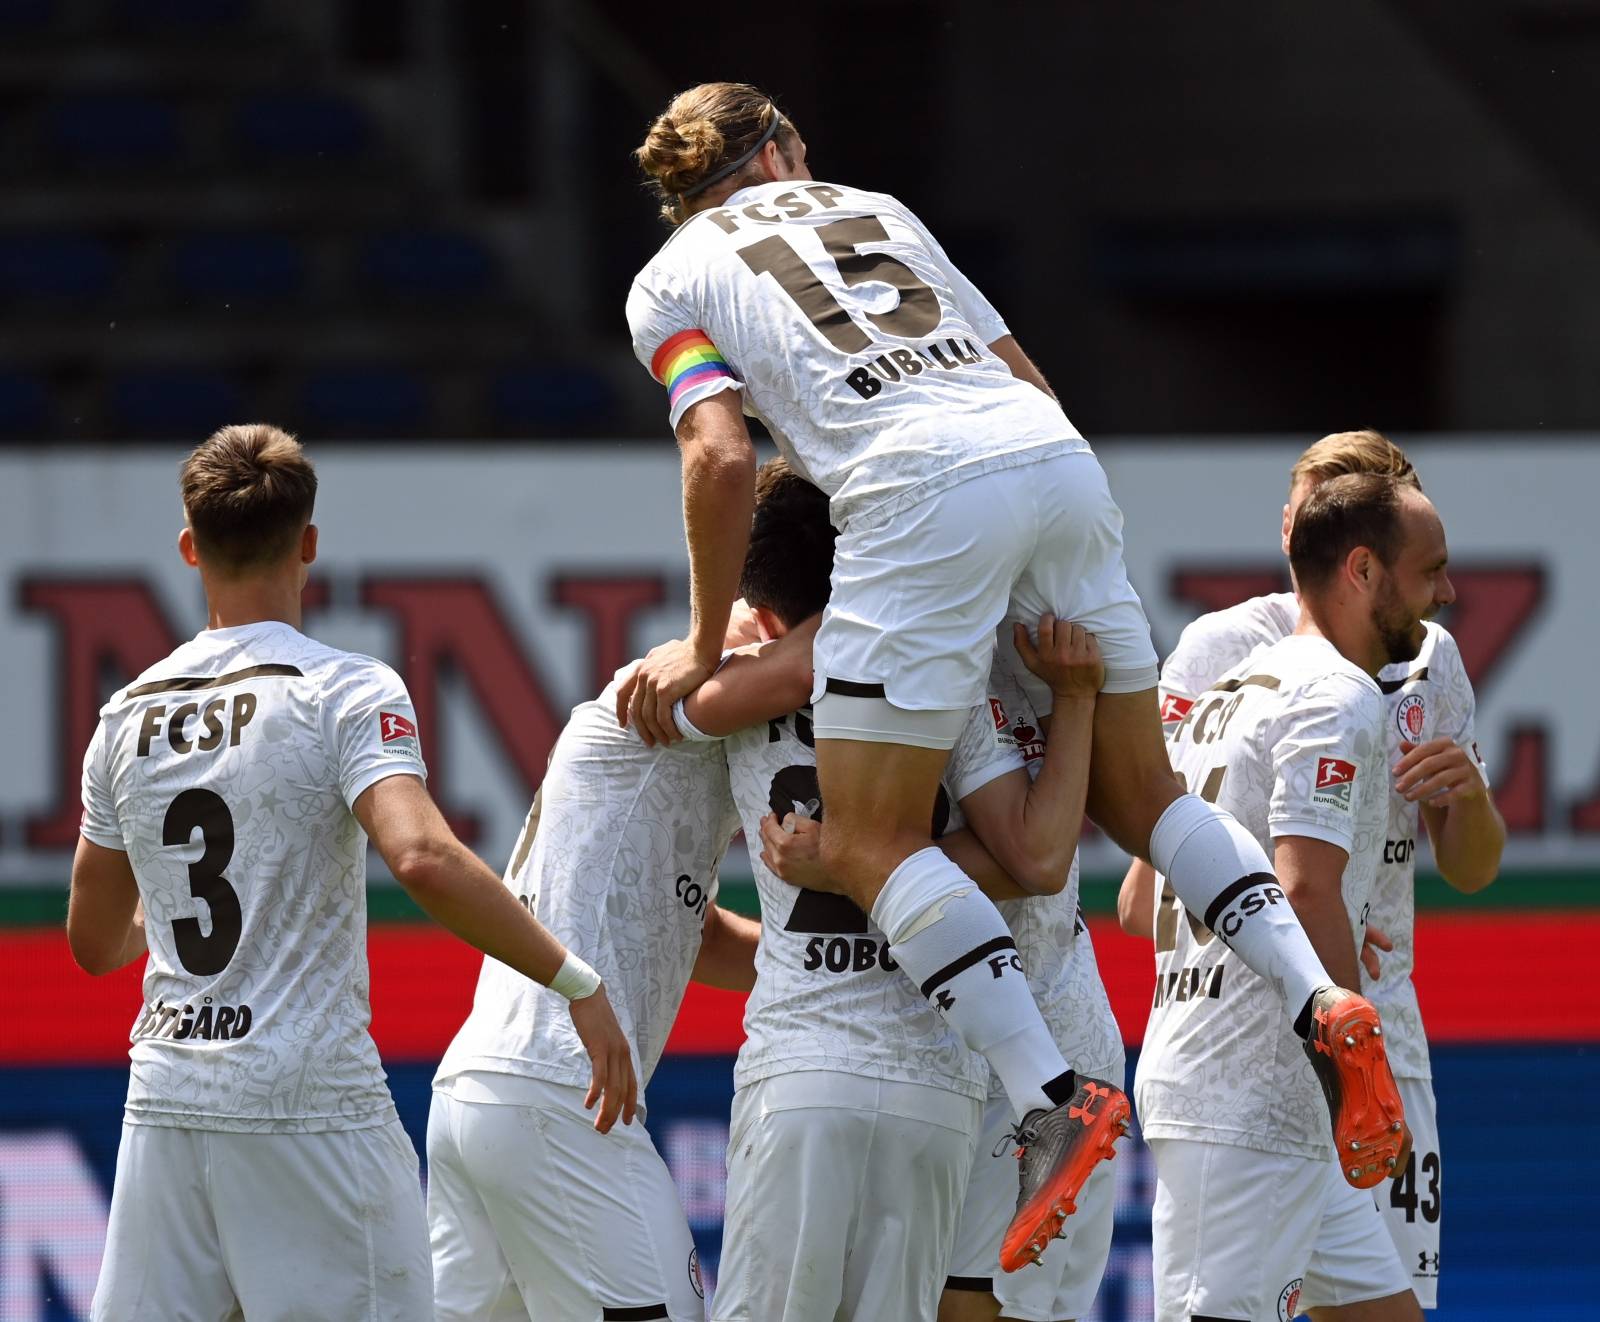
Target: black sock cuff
{"x": 1060, "y": 1089}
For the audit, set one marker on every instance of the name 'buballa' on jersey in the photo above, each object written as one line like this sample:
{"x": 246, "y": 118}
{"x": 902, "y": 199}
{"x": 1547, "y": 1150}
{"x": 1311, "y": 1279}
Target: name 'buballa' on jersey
{"x": 227, "y": 772}
{"x": 619, "y": 860}
{"x": 1429, "y": 697}
{"x": 829, "y": 994}
{"x": 855, "y": 339}
{"x": 1290, "y": 742}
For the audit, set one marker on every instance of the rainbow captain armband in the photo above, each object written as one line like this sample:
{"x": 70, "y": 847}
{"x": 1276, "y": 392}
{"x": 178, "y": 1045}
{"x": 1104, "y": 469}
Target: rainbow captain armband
{"x": 687, "y": 360}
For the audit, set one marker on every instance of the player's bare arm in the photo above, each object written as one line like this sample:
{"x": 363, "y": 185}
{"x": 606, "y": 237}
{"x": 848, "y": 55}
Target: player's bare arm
{"x": 1032, "y": 825}
{"x": 1136, "y": 901}
{"x": 105, "y": 926}
{"x": 727, "y": 957}
{"x": 1466, "y": 829}
{"x": 792, "y": 849}
{"x": 1008, "y": 351}
{"x": 454, "y": 887}
{"x": 756, "y": 684}
{"x": 1310, "y": 872}
{"x": 719, "y": 474}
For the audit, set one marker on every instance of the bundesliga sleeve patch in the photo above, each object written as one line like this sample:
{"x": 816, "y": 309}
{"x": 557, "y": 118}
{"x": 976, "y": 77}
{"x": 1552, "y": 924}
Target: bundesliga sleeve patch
{"x": 1336, "y": 779}
{"x": 1174, "y": 708}
{"x": 392, "y": 727}
{"x": 687, "y": 360}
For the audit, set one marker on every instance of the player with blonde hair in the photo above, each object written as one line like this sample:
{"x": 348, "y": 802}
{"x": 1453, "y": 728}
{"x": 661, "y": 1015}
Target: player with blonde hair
{"x": 965, "y": 501}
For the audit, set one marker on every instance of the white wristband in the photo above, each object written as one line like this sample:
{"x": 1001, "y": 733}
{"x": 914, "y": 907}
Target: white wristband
{"x": 575, "y": 979}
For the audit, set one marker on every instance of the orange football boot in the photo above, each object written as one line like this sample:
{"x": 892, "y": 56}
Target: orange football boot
{"x": 1056, "y": 1151}
{"x": 1346, "y": 1051}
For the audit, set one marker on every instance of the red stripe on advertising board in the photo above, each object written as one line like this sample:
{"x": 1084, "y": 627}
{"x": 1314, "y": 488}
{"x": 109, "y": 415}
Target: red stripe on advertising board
{"x": 422, "y": 982}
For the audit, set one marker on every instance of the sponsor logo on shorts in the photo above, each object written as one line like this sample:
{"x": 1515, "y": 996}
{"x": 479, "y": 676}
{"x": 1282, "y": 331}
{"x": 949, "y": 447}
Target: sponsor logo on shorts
{"x": 392, "y": 726}
{"x": 1289, "y": 1299}
{"x": 1427, "y": 1263}
{"x": 1336, "y": 779}
{"x": 1030, "y": 743}
{"x": 694, "y": 1273}
{"x": 1409, "y": 717}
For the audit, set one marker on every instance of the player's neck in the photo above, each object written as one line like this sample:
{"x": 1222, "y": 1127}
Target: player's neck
{"x": 1352, "y": 638}
{"x": 234, "y": 603}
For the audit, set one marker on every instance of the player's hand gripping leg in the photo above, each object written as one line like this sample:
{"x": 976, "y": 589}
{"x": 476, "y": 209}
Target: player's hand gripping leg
{"x": 612, "y": 1081}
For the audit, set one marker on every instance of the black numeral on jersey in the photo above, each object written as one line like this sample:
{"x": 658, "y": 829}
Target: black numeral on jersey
{"x": 200, "y": 954}
{"x": 1403, "y": 1188}
{"x": 814, "y": 912}
{"x": 917, "y": 313}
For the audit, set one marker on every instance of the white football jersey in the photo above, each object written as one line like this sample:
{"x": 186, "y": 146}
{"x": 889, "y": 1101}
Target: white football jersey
{"x": 828, "y": 994}
{"x": 1052, "y": 940}
{"x": 1291, "y": 743}
{"x": 228, "y": 772}
{"x": 619, "y": 860}
{"x": 1428, "y": 698}
{"x": 854, "y": 338}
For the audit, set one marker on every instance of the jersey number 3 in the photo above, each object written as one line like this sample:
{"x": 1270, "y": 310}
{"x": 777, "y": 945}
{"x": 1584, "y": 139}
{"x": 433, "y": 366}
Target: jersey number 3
{"x": 200, "y": 954}
{"x": 916, "y": 314}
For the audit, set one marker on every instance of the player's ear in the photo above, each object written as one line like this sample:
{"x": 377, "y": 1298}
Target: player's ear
{"x": 1288, "y": 525}
{"x": 1359, "y": 565}
{"x": 308, "y": 544}
{"x": 186, "y": 548}
{"x": 768, "y": 624}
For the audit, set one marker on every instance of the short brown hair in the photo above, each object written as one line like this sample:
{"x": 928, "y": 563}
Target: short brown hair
{"x": 1363, "y": 451}
{"x": 789, "y": 566}
{"x": 248, "y": 491}
{"x": 1357, "y": 509}
{"x": 704, "y": 130}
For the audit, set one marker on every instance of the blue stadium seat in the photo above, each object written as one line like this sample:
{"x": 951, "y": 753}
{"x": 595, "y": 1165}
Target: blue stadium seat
{"x": 426, "y": 263}
{"x": 246, "y": 266}
{"x": 365, "y": 401}
{"x": 184, "y": 402}
{"x": 108, "y": 129}
{"x": 18, "y": 17}
{"x": 64, "y": 267}
{"x": 24, "y": 405}
{"x": 541, "y": 398}
{"x": 303, "y": 127}
{"x": 180, "y": 17}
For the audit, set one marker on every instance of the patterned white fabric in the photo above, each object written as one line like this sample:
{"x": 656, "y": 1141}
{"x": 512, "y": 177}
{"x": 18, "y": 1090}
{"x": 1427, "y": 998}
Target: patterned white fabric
{"x": 853, "y": 337}
{"x": 228, "y": 772}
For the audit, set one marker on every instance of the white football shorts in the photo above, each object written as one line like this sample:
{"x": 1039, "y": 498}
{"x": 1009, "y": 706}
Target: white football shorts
{"x": 533, "y": 1214}
{"x": 1238, "y": 1233}
{"x": 217, "y": 1227}
{"x": 1409, "y": 1204}
{"x": 1063, "y": 1285}
{"x": 843, "y": 1195}
{"x": 918, "y": 596}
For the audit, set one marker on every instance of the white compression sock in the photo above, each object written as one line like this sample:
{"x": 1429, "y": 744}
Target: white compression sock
{"x": 1220, "y": 873}
{"x": 953, "y": 943}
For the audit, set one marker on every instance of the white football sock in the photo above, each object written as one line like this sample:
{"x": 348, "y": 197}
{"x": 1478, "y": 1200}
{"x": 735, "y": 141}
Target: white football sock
{"x": 1222, "y": 876}
{"x": 953, "y": 943}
